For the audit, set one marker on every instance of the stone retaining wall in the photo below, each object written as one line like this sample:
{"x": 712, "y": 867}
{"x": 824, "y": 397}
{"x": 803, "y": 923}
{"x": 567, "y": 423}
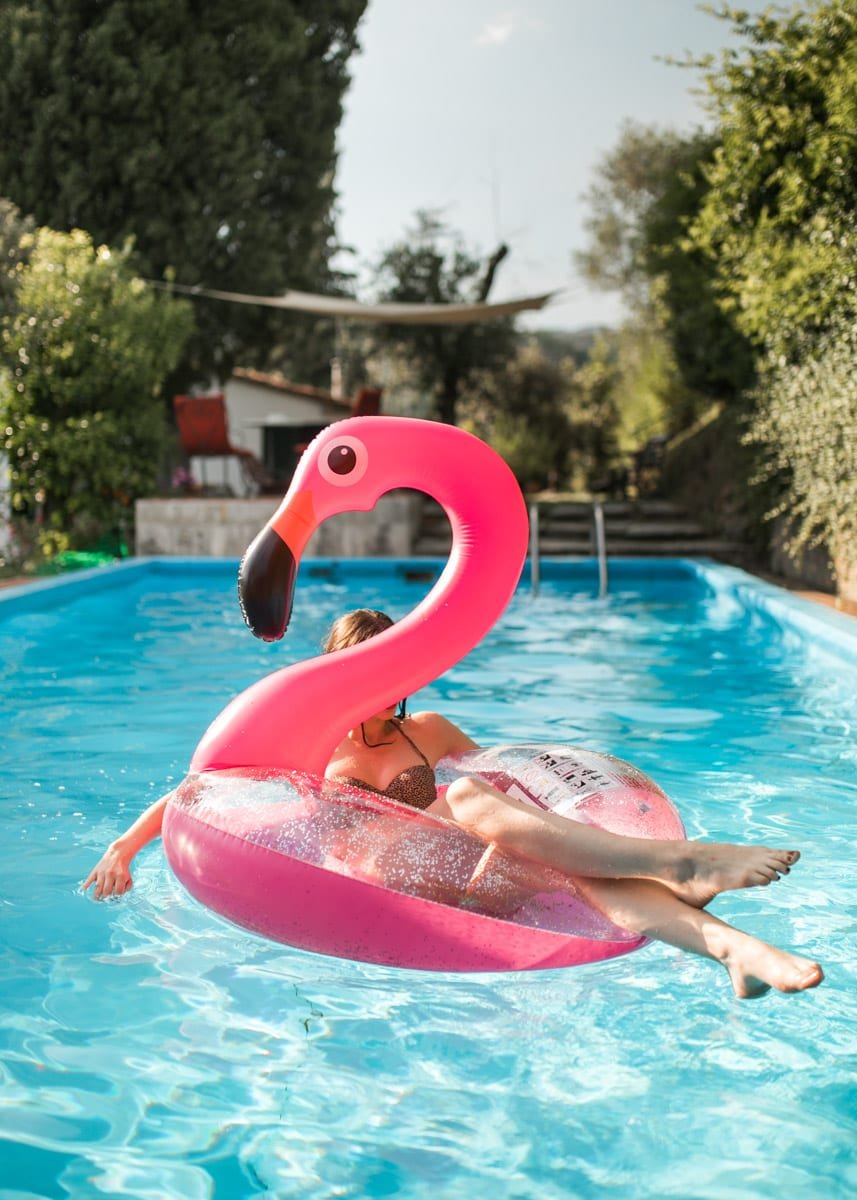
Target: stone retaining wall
{"x": 813, "y": 567}
{"x": 223, "y": 528}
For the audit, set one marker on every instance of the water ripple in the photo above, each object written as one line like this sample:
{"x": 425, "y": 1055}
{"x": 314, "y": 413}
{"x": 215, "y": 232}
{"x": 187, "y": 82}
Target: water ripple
{"x": 147, "y": 1049}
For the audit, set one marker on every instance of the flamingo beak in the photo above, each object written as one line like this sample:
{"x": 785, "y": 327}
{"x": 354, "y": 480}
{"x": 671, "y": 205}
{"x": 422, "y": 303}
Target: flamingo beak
{"x": 266, "y": 577}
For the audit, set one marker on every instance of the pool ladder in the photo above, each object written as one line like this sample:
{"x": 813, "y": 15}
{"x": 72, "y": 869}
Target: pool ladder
{"x": 600, "y": 548}
{"x": 535, "y": 555}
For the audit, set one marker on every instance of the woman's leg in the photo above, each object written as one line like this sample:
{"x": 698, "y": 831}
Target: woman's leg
{"x": 695, "y": 871}
{"x": 646, "y": 907}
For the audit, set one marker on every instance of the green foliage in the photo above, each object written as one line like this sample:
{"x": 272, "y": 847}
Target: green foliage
{"x": 520, "y": 410}
{"x": 648, "y": 189}
{"x": 432, "y": 266}
{"x": 650, "y": 396}
{"x": 593, "y": 413}
{"x": 629, "y": 184}
{"x": 206, "y": 132}
{"x": 83, "y": 359}
{"x": 627, "y": 391}
{"x": 737, "y": 252}
{"x": 778, "y": 217}
{"x": 559, "y": 345}
{"x": 779, "y": 222}
{"x": 14, "y": 247}
{"x": 806, "y": 426}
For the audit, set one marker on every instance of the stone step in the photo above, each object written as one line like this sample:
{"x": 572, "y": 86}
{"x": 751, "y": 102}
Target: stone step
{"x": 582, "y": 513}
{"x": 435, "y": 526}
{"x": 566, "y": 524}
{"x": 433, "y": 523}
{"x": 619, "y": 508}
{"x": 431, "y": 547}
{"x": 584, "y": 535}
{"x": 670, "y": 530}
{"x": 645, "y": 528}
{"x": 622, "y": 528}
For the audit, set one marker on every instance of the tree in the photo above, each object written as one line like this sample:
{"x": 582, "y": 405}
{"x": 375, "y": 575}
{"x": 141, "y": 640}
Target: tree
{"x": 778, "y": 218}
{"x": 206, "y": 132}
{"x": 593, "y": 412}
{"x": 14, "y": 248}
{"x": 82, "y": 360}
{"x": 651, "y": 397}
{"x": 648, "y": 190}
{"x": 520, "y": 410}
{"x": 432, "y": 266}
{"x": 630, "y": 182}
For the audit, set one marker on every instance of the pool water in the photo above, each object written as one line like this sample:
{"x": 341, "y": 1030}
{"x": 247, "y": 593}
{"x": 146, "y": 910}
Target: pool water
{"x": 148, "y": 1049}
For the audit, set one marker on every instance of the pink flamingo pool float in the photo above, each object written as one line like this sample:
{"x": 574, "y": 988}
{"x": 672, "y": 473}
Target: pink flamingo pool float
{"x": 257, "y": 834}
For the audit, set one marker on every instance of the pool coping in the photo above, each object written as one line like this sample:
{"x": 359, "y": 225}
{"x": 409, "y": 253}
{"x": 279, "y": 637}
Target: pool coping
{"x": 836, "y": 629}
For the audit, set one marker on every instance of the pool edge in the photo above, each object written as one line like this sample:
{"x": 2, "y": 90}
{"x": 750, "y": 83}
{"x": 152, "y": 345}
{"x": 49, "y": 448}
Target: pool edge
{"x": 837, "y": 631}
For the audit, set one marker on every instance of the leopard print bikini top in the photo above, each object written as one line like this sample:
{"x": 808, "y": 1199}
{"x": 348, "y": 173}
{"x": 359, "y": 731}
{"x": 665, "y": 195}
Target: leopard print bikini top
{"x": 414, "y": 786}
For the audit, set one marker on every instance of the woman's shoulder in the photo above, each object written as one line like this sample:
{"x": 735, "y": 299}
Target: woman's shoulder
{"x": 439, "y": 734}
{"x": 430, "y": 722}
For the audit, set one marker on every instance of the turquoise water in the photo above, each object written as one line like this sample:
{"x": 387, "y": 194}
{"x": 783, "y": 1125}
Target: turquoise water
{"x": 148, "y": 1049}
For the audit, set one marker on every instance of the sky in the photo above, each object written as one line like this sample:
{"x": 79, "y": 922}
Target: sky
{"x": 497, "y": 115}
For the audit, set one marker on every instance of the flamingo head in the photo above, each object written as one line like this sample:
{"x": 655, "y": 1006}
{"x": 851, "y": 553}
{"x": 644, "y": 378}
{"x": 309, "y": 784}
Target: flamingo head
{"x": 346, "y": 468}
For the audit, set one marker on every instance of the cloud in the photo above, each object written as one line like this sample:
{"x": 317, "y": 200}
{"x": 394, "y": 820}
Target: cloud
{"x": 498, "y": 31}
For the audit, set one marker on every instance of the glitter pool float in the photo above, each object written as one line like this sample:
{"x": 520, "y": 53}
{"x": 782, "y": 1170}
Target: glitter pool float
{"x": 258, "y": 835}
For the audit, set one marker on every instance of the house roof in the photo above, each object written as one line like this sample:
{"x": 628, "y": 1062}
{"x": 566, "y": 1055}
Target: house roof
{"x": 278, "y": 383}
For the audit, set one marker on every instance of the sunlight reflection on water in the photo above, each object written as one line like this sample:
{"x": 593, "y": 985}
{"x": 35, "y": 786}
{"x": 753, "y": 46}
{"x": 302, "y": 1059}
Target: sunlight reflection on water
{"x": 149, "y": 1049}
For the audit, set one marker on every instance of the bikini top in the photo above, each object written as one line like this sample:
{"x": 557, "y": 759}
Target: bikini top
{"x": 414, "y": 786}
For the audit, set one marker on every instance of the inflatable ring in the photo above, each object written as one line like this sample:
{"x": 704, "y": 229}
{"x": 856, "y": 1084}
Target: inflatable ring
{"x": 258, "y": 835}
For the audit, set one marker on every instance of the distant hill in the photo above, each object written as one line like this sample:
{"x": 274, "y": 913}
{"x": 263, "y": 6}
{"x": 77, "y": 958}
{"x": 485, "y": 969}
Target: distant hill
{"x": 557, "y": 344}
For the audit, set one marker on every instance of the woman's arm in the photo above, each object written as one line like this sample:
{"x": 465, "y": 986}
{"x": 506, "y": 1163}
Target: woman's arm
{"x": 111, "y": 874}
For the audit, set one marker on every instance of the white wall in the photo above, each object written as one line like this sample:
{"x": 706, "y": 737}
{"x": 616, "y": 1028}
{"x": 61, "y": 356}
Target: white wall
{"x": 248, "y": 406}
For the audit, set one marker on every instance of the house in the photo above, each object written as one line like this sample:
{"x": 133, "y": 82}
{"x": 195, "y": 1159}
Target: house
{"x": 256, "y": 430}
{"x": 269, "y": 421}
{"x": 275, "y": 419}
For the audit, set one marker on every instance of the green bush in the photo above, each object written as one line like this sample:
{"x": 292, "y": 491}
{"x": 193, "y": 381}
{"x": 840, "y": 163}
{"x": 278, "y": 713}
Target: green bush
{"x": 84, "y": 354}
{"x": 806, "y": 426}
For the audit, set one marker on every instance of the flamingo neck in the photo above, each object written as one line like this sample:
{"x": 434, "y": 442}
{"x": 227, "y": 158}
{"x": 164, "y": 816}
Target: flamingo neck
{"x": 295, "y": 718}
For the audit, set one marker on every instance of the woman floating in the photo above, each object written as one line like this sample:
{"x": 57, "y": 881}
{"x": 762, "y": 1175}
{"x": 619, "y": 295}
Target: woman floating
{"x": 658, "y": 889}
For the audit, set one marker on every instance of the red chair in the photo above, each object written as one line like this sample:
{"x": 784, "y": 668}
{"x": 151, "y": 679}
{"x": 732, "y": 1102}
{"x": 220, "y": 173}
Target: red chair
{"x": 367, "y": 402}
{"x": 204, "y": 433}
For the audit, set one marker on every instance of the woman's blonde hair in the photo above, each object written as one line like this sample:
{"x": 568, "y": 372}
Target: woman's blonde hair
{"x": 354, "y": 627}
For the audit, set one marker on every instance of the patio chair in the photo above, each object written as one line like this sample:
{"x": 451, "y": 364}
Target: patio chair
{"x": 204, "y": 433}
{"x": 367, "y": 402}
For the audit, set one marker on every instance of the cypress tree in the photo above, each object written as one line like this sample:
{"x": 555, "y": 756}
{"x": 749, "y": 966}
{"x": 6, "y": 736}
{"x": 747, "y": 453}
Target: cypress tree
{"x": 204, "y": 131}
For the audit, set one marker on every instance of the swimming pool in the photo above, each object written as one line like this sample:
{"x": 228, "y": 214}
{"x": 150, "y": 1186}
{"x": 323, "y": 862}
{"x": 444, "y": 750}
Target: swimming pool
{"x": 149, "y": 1049}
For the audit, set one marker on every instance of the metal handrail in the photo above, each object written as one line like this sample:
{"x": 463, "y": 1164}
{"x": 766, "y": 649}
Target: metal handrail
{"x": 535, "y": 560}
{"x": 600, "y": 548}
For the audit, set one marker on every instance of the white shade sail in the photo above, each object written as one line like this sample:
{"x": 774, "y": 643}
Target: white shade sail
{"x": 393, "y": 314}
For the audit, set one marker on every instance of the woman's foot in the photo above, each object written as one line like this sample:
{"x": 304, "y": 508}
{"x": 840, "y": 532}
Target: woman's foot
{"x": 755, "y": 967}
{"x": 699, "y": 871}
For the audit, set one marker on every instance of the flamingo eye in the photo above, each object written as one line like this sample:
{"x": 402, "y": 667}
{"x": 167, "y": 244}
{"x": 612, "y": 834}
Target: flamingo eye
{"x": 345, "y": 462}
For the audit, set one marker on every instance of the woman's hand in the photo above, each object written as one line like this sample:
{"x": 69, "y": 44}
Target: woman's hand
{"x": 111, "y": 874}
